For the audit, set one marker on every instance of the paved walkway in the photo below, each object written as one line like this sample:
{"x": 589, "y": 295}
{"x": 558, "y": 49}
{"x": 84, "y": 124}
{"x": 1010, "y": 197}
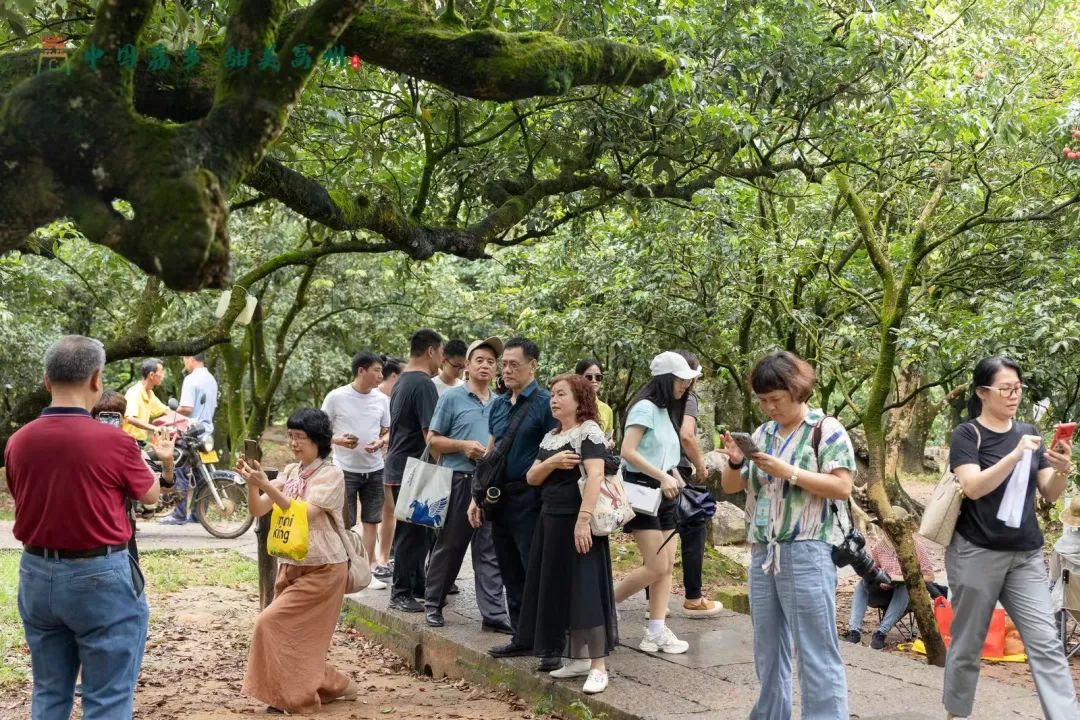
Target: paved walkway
{"x": 154, "y": 536}
{"x": 714, "y": 680}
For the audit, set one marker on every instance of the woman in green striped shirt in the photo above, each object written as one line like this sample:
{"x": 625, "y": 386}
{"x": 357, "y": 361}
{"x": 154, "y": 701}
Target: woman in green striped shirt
{"x": 791, "y": 487}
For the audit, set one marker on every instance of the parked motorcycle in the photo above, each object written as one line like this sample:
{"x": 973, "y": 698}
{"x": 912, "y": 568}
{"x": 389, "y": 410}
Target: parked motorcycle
{"x": 217, "y": 498}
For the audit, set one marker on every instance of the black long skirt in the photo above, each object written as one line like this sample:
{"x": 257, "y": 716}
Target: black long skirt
{"x": 568, "y": 608}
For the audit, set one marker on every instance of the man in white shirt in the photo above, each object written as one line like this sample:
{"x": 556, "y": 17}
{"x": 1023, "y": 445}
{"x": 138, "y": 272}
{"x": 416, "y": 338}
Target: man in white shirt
{"x": 199, "y": 394}
{"x": 452, "y": 368}
{"x": 360, "y": 416}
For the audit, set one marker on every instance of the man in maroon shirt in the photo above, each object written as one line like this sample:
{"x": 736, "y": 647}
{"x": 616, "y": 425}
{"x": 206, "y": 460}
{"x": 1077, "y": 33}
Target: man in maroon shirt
{"x": 80, "y": 595}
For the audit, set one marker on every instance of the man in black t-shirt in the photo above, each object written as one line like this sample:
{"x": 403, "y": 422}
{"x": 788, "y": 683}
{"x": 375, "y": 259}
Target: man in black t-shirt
{"x": 411, "y": 407}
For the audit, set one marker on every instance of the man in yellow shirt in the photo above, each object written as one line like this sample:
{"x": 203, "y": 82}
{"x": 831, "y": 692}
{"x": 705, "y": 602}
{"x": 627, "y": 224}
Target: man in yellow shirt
{"x": 142, "y": 404}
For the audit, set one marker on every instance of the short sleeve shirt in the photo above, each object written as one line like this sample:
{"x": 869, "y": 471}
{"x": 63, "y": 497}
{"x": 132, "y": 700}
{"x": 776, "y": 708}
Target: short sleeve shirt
{"x": 70, "y": 476}
{"x": 560, "y": 492}
{"x": 145, "y": 406}
{"x": 793, "y": 513}
{"x": 461, "y": 415}
{"x": 693, "y": 409}
{"x": 527, "y": 441}
{"x": 605, "y": 417}
{"x": 200, "y": 392}
{"x": 978, "y": 522}
{"x": 363, "y": 415}
{"x": 660, "y": 443}
{"x": 441, "y": 387}
{"x": 325, "y": 490}
{"x": 411, "y": 407}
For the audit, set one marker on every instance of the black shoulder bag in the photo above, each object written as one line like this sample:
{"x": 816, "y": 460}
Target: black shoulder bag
{"x": 492, "y": 466}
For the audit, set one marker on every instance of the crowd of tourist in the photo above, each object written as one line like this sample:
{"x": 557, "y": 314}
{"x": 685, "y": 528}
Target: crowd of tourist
{"x": 527, "y": 466}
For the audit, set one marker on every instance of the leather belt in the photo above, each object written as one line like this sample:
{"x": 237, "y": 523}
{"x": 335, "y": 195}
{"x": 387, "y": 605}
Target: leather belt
{"x": 74, "y": 554}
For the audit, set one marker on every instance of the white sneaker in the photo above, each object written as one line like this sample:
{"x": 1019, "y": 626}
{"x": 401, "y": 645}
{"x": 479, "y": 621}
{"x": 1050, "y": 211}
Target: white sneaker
{"x": 664, "y": 641}
{"x": 376, "y": 584}
{"x": 597, "y": 682}
{"x": 574, "y": 668}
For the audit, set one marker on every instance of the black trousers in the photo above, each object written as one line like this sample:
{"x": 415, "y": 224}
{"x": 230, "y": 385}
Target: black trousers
{"x": 512, "y": 528}
{"x": 692, "y": 539}
{"x": 411, "y": 545}
{"x": 451, "y": 543}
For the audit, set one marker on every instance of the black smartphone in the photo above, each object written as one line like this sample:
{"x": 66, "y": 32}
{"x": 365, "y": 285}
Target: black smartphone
{"x": 745, "y": 443}
{"x": 252, "y": 451}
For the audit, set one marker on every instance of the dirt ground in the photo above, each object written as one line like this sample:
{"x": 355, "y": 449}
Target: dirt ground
{"x": 197, "y": 650}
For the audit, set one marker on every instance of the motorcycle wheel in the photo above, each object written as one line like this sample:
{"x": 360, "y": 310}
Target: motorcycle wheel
{"x": 230, "y": 522}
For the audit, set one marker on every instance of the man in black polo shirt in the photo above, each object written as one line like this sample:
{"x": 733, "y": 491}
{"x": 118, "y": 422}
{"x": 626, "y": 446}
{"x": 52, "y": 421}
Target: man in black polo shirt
{"x": 519, "y": 506}
{"x": 80, "y": 596}
{"x": 411, "y": 407}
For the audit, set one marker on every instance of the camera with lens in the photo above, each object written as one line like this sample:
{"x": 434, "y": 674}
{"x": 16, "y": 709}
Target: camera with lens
{"x": 852, "y": 551}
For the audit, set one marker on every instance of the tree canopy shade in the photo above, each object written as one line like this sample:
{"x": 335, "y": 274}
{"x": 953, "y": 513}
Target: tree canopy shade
{"x": 74, "y": 141}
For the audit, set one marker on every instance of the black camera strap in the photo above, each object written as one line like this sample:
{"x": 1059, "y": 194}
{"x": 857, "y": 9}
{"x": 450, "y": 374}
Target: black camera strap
{"x": 815, "y": 444}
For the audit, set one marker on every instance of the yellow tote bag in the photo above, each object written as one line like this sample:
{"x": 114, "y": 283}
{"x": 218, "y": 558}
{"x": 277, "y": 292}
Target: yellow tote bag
{"x": 289, "y": 532}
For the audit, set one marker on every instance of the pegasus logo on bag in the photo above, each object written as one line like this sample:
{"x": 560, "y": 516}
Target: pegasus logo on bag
{"x": 423, "y": 513}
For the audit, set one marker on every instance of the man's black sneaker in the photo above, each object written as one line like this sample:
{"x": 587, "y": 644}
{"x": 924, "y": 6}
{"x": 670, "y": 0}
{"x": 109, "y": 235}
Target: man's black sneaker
{"x": 510, "y": 649}
{"x": 434, "y": 618}
{"x": 548, "y": 664}
{"x": 454, "y": 590}
{"x": 500, "y": 626}
{"x": 407, "y": 604}
{"x": 853, "y": 636}
{"x": 878, "y": 641}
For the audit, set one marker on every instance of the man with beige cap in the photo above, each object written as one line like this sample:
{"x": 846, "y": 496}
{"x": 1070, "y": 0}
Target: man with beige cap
{"x": 459, "y": 433}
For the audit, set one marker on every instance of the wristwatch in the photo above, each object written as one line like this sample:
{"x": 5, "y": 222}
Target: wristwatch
{"x": 736, "y": 466}
{"x": 794, "y": 479}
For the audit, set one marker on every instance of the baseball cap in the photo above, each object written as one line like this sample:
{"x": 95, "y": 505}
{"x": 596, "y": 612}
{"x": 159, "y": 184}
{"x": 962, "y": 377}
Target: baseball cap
{"x": 492, "y": 342}
{"x": 672, "y": 363}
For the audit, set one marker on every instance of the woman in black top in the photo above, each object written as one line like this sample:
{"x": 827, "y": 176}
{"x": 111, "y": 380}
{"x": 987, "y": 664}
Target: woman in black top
{"x": 569, "y": 603}
{"x": 996, "y": 553}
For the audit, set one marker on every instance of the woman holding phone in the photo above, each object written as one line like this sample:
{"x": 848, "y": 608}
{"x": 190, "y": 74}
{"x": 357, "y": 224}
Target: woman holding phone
{"x": 801, "y": 463}
{"x": 996, "y": 553}
{"x": 287, "y": 666}
{"x": 651, "y": 451}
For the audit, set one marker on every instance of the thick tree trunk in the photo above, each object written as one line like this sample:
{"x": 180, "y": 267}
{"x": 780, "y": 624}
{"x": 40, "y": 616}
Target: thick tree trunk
{"x": 913, "y": 447}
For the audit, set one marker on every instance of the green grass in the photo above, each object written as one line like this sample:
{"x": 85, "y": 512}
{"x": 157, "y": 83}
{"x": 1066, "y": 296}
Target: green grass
{"x": 14, "y": 660}
{"x": 166, "y": 571}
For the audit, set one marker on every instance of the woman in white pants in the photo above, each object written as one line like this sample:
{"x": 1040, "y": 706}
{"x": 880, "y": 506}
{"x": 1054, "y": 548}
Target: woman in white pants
{"x": 996, "y": 553}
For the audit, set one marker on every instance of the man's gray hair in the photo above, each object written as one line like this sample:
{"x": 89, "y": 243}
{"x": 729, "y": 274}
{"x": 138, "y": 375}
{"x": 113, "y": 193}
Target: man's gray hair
{"x": 73, "y": 359}
{"x": 149, "y": 365}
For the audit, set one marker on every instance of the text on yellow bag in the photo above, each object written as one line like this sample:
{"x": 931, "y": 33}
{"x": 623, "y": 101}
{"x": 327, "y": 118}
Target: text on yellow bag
{"x": 289, "y": 531}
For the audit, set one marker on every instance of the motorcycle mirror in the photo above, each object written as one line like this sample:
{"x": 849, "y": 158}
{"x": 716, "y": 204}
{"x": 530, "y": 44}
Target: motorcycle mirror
{"x": 173, "y": 404}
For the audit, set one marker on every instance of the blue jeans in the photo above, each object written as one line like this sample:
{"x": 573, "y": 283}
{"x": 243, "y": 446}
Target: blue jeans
{"x": 861, "y": 598}
{"x": 182, "y": 476}
{"x": 82, "y": 613}
{"x": 797, "y": 603}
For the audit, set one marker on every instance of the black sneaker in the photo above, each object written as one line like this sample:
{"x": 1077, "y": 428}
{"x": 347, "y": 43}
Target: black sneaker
{"x": 434, "y": 618}
{"x": 853, "y": 636}
{"x": 454, "y": 590}
{"x": 510, "y": 649}
{"x": 878, "y": 641}
{"x": 406, "y": 604}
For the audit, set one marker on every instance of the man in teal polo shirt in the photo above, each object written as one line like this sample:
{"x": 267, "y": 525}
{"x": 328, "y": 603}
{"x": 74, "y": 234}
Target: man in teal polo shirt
{"x": 459, "y": 433}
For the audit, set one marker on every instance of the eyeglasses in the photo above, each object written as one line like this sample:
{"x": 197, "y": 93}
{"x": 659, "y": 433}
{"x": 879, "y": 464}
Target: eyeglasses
{"x": 598, "y": 377}
{"x": 512, "y": 365}
{"x": 1008, "y": 391}
{"x": 457, "y": 366}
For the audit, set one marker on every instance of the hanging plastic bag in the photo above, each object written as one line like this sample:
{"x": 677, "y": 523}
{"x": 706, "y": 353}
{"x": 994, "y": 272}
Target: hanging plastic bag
{"x": 289, "y": 532}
